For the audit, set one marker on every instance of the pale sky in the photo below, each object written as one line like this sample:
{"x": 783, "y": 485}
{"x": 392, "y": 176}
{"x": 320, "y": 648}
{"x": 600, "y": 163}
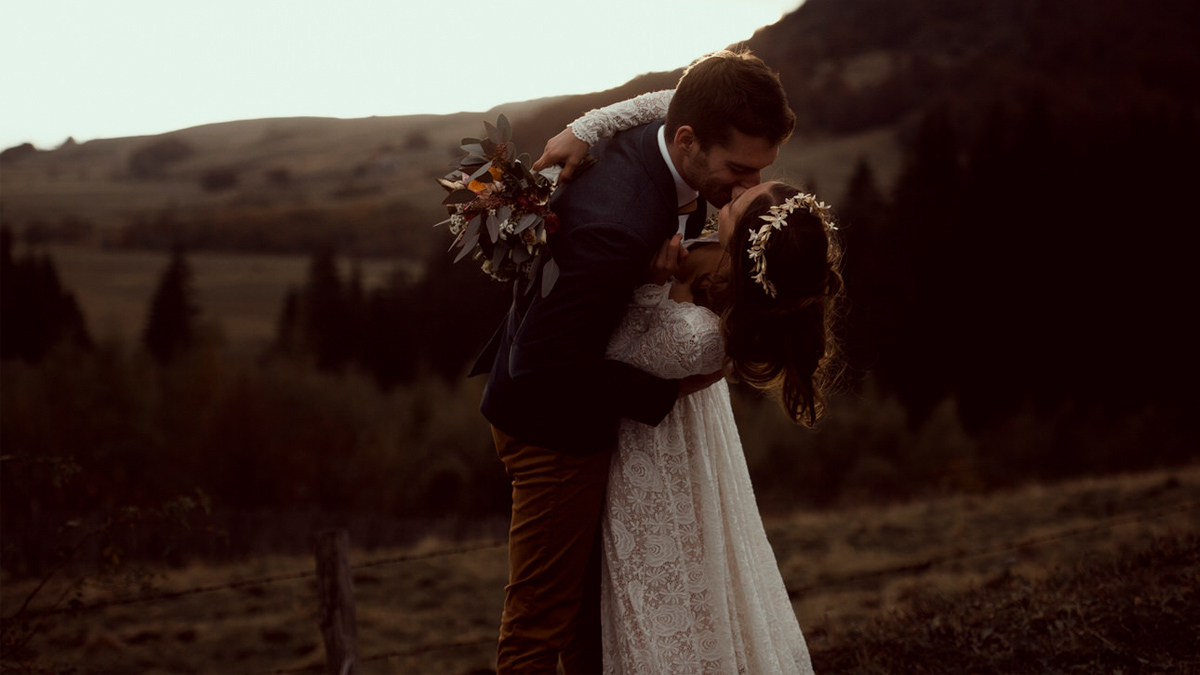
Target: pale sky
{"x": 112, "y": 68}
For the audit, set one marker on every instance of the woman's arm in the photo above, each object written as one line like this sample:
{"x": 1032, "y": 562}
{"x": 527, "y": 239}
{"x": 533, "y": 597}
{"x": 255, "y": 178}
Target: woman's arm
{"x": 570, "y": 146}
{"x": 604, "y": 122}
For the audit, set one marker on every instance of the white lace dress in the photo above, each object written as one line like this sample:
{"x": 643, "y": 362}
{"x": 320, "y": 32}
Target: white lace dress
{"x": 690, "y": 582}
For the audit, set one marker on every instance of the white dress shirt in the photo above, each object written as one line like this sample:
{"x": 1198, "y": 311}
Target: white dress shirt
{"x": 683, "y": 192}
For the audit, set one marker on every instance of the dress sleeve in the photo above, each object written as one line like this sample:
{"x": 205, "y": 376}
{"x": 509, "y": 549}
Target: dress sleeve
{"x": 604, "y": 122}
{"x": 650, "y": 295}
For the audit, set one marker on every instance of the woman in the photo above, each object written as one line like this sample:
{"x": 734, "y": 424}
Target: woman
{"x": 690, "y": 582}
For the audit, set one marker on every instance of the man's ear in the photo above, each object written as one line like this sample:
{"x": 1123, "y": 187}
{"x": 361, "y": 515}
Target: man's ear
{"x": 685, "y": 137}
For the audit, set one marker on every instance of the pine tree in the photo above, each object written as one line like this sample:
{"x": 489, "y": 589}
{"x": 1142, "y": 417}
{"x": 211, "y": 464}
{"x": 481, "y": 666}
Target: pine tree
{"x": 862, "y": 219}
{"x": 288, "y": 336}
{"x": 36, "y": 312}
{"x": 170, "y": 323}
{"x": 324, "y": 312}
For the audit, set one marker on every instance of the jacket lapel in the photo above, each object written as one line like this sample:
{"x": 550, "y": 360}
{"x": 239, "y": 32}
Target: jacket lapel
{"x": 695, "y": 222}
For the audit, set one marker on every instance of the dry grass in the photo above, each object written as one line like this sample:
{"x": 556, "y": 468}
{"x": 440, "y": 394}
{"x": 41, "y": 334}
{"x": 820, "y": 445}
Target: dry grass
{"x": 985, "y": 591}
{"x": 1121, "y": 614}
{"x": 241, "y": 293}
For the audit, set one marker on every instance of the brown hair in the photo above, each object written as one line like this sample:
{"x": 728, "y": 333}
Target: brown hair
{"x": 784, "y": 343}
{"x": 728, "y": 90}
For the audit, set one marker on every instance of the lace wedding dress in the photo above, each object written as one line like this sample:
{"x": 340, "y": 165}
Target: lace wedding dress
{"x": 690, "y": 583}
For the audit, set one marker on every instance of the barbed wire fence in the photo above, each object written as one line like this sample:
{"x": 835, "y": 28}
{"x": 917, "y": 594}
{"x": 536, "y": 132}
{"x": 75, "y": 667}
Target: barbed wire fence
{"x": 348, "y": 663}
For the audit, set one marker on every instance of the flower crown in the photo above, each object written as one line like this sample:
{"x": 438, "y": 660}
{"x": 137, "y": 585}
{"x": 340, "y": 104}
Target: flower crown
{"x": 775, "y": 219}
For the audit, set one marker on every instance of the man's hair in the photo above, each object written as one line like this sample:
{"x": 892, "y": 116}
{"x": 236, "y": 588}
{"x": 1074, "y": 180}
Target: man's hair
{"x": 728, "y": 90}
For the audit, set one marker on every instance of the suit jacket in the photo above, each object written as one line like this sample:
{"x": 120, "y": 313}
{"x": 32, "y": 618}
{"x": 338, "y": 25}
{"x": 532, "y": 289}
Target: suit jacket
{"x": 549, "y": 383}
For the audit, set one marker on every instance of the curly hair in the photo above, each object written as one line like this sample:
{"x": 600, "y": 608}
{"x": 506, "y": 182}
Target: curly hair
{"x": 785, "y": 344}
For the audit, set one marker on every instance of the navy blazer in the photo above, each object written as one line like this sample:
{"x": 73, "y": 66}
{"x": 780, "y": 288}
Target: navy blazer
{"x": 549, "y": 383}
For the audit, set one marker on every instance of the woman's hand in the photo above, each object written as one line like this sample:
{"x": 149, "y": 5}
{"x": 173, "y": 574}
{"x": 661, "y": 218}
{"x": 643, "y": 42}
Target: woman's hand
{"x": 670, "y": 258}
{"x": 563, "y": 149}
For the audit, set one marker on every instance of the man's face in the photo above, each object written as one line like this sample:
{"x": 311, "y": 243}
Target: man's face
{"x": 715, "y": 173}
{"x": 731, "y": 213}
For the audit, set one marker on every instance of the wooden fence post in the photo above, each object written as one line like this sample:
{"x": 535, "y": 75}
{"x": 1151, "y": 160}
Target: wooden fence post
{"x": 335, "y": 590}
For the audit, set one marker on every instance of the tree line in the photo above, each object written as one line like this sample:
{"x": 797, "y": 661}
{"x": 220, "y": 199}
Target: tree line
{"x": 1018, "y": 309}
{"x": 1030, "y": 259}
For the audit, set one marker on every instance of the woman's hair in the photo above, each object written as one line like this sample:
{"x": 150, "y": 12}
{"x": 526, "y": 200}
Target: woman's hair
{"x": 784, "y": 343}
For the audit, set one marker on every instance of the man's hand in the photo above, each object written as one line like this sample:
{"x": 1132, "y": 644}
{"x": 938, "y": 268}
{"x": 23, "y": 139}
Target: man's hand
{"x": 694, "y": 383}
{"x": 563, "y": 149}
{"x": 669, "y": 259}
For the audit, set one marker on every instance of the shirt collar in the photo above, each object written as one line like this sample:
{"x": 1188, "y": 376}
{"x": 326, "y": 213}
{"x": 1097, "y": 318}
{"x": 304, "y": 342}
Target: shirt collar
{"x": 683, "y": 192}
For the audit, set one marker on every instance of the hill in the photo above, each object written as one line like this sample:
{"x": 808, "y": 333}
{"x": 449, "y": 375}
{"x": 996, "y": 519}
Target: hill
{"x": 860, "y": 73}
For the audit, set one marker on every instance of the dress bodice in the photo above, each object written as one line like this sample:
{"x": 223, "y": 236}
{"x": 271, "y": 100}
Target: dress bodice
{"x": 666, "y": 338}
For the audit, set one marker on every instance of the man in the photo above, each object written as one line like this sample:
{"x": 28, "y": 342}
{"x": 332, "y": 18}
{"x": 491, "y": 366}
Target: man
{"x": 552, "y": 398}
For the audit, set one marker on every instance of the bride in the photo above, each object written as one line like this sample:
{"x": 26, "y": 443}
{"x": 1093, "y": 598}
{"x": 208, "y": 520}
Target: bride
{"x": 689, "y": 582}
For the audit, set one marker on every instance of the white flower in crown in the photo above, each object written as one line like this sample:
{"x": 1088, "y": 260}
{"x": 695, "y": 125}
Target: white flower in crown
{"x": 775, "y": 219}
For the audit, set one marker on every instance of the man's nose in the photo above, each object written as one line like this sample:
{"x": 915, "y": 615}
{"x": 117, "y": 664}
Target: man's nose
{"x": 750, "y": 180}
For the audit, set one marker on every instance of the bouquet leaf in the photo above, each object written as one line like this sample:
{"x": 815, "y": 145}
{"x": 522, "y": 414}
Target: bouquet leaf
{"x": 549, "y": 276}
{"x": 499, "y": 209}
{"x": 460, "y": 196}
{"x": 493, "y": 227}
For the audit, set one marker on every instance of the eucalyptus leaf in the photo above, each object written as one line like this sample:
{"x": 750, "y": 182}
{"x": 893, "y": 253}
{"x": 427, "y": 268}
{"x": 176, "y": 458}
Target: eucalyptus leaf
{"x": 478, "y": 175}
{"x": 504, "y": 212}
{"x": 521, "y": 253}
{"x": 493, "y": 226}
{"x": 549, "y": 276}
{"x": 493, "y": 134}
{"x": 469, "y": 141}
{"x": 528, "y": 220}
{"x": 463, "y": 196}
{"x": 505, "y": 129}
{"x": 533, "y": 272}
{"x": 475, "y": 148}
{"x": 469, "y": 243}
{"x": 474, "y": 225}
{"x": 499, "y": 255}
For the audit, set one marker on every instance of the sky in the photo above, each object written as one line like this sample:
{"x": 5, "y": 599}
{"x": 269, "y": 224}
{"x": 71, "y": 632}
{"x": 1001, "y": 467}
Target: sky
{"x": 91, "y": 69}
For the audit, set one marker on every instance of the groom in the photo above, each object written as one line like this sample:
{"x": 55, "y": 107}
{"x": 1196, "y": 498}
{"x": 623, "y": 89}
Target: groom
{"x": 552, "y": 398}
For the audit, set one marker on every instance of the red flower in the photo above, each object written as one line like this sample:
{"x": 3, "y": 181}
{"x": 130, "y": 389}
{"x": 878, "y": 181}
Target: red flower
{"x": 551, "y": 221}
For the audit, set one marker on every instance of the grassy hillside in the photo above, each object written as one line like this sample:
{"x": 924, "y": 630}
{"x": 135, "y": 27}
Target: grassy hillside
{"x": 240, "y": 294}
{"x": 1034, "y": 580}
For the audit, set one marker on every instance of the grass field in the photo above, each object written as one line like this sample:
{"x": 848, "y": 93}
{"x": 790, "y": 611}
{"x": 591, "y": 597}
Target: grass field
{"x": 876, "y": 589}
{"x": 242, "y": 294}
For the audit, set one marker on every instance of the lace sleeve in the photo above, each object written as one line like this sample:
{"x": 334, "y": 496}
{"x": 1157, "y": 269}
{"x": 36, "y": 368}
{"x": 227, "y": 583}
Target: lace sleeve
{"x": 604, "y": 122}
{"x": 670, "y": 340}
{"x": 650, "y": 295}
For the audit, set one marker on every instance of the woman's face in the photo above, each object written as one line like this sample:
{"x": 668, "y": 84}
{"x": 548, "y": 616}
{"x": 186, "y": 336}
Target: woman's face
{"x": 731, "y": 213}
